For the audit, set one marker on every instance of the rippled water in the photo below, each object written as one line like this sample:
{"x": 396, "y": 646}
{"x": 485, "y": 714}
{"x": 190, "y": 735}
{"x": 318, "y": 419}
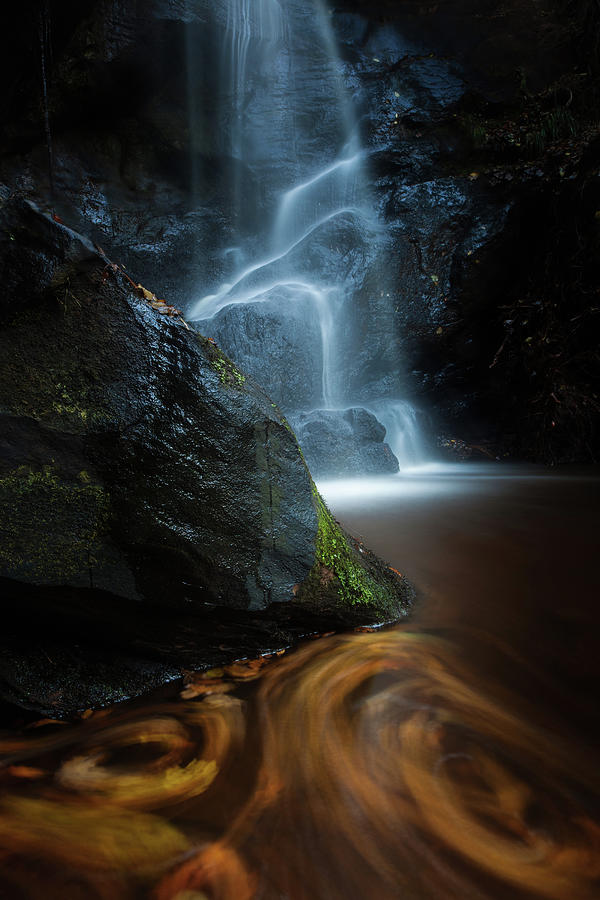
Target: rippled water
{"x": 449, "y": 758}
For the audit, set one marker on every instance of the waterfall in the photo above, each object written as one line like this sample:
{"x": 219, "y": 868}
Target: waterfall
{"x": 254, "y": 28}
{"x": 304, "y": 228}
{"x": 403, "y": 432}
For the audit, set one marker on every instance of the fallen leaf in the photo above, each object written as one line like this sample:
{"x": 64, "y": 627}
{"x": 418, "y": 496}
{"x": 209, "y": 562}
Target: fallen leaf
{"x": 146, "y": 293}
{"x": 246, "y": 670}
{"x": 208, "y": 687}
{"x": 42, "y": 722}
{"x": 211, "y": 673}
{"x": 25, "y": 772}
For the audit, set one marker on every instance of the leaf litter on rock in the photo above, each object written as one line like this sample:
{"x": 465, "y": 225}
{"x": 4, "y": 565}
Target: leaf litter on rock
{"x": 224, "y": 680}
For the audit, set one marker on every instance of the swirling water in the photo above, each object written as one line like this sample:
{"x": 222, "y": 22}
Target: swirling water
{"x": 452, "y": 757}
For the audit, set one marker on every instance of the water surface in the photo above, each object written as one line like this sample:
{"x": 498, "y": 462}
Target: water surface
{"x": 452, "y": 757}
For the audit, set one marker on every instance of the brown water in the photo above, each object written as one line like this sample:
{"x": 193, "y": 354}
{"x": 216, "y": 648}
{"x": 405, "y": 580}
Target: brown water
{"x": 454, "y": 757}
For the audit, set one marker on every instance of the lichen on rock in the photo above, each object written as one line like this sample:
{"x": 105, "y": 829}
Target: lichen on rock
{"x": 53, "y": 527}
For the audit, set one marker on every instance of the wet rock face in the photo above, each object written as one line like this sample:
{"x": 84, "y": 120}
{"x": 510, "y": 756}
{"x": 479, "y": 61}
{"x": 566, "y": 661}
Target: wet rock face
{"x": 344, "y": 443}
{"x": 482, "y": 148}
{"x": 276, "y": 336}
{"x": 124, "y": 421}
{"x": 154, "y": 500}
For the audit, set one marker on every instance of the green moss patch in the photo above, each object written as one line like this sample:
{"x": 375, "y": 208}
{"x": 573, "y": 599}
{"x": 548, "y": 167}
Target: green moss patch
{"x": 228, "y": 373}
{"x": 52, "y": 527}
{"x": 338, "y": 566}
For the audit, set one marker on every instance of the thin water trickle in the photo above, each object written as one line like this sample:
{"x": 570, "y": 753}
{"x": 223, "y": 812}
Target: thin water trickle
{"x": 254, "y": 28}
{"x": 45, "y": 38}
{"x": 403, "y": 432}
{"x": 331, "y": 192}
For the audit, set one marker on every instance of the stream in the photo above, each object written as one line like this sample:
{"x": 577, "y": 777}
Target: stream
{"x": 450, "y": 757}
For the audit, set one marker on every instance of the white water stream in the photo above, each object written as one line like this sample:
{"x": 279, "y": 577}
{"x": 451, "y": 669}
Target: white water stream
{"x": 289, "y": 261}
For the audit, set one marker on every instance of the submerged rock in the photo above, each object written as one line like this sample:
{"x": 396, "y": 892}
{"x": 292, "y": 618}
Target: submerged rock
{"x": 344, "y": 442}
{"x": 154, "y": 499}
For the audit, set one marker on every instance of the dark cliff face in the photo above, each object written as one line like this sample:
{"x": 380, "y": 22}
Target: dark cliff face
{"x": 481, "y": 124}
{"x": 485, "y": 127}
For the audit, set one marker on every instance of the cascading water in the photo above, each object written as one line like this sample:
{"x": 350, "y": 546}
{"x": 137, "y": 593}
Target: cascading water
{"x": 284, "y": 307}
{"x": 403, "y": 431}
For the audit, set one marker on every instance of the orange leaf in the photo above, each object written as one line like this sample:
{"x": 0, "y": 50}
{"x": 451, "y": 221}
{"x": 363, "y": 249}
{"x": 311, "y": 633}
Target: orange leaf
{"x": 25, "y": 772}
{"x": 245, "y": 670}
{"x": 205, "y": 688}
{"x": 41, "y": 722}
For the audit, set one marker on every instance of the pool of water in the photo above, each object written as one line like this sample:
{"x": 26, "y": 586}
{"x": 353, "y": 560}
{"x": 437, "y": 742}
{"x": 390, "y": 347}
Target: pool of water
{"x": 450, "y": 757}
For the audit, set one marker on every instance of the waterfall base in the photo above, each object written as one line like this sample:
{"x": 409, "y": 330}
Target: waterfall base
{"x": 338, "y": 443}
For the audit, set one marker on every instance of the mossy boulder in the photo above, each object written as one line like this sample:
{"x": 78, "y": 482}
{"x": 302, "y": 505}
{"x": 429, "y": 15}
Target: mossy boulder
{"x": 154, "y": 498}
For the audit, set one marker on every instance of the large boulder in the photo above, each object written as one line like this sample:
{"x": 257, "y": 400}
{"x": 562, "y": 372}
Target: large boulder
{"x": 344, "y": 442}
{"x": 278, "y": 341}
{"x": 153, "y": 498}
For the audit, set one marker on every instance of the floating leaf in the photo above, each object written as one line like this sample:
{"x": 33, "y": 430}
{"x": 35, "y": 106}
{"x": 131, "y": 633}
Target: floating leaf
{"x": 43, "y": 722}
{"x": 26, "y": 772}
{"x": 87, "y": 774}
{"x": 205, "y": 688}
{"x": 246, "y": 669}
{"x": 88, "y": 837}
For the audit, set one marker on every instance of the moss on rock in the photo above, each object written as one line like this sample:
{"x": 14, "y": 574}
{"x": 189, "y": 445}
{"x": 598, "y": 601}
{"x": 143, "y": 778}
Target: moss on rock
{"x": 52, "y": 527}
{"x": 360, "y": 579}
{"x": 227, "y": 371}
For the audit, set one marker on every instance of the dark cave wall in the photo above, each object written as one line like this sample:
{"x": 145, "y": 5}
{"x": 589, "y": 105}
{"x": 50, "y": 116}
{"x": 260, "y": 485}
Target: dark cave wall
{"x": 506, "y": 354}
{"x": 482, "y": 122}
